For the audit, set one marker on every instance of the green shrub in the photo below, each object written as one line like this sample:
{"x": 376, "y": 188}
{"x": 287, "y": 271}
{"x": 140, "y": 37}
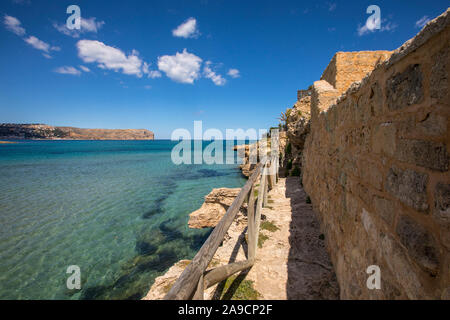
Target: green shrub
{"x": 241, "y": 290}
{"x": 261, "y": 239}
{"x": 269, "y": 226}
{"x": 288, "y": 148}
{"x": 289, "y": 165}
{"x": 295, "y": 172}
{"x": 308, "y": 199}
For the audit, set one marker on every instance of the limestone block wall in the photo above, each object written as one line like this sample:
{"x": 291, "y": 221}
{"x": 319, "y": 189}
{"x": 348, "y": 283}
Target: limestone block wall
{"x": 348, "y": 67}
{"x": 376, "y": 167}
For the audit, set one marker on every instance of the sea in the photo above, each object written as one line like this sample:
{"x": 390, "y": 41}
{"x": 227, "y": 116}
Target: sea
{"x": 116, "y": 210}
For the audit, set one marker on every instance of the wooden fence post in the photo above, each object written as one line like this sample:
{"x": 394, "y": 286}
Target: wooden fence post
{"x": 251, "y": 224}
{"x": 199, "y": 292}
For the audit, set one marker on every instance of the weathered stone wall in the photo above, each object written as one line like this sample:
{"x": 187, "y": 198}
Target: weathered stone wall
{"x": 348, "y": 67}
{"x": 376, "y": 167}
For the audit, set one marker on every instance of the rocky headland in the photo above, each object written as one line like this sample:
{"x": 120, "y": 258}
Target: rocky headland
{"x": 46, "y": 132}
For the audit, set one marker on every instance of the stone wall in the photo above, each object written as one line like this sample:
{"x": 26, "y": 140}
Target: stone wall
{"x": 376, "y": 167}
{"x": 348, "y": 67}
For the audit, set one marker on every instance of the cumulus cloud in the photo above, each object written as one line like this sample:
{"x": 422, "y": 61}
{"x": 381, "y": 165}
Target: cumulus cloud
{"x": 68, "y": 70}
{"x": 187, "y": 29}
{"x": 210, "y": 74}
{"x": 154, "y": 74}
{"x": 106, "y": 57}
{"x": 86, "y": 25}
{"x": 182, "y": 67}
{"x": 150, "y": 73}
{"x": 422, "y": 22}
{"x": 13, "y": 25}
{"x": 234, "y": 73}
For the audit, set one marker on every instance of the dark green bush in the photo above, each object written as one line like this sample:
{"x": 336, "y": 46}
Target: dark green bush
{"x": 288, "y": 148}
{"x": 295, "y": 172}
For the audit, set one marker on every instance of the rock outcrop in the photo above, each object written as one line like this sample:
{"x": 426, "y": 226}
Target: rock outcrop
{"x": 213, "y": 209}
{"x": 251, "y": 153}
{"x": 163, "y": 283}
{"x": 46, "y": 132}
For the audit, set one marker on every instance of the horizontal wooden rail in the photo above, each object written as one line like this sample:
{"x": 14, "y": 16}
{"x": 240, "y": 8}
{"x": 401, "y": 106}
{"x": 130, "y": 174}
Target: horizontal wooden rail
{"x": 194, "y": 280}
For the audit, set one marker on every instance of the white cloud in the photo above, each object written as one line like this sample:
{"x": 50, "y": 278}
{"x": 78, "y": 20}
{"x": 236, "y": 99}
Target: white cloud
{"x": 106, "y": 57}
{"x": 422, "y": 22}
{"x": 90, "y": 25}
{"x": 85, "y": 69}
{"x": 389, "y": 26}
{"x": 182, "y": 67}
{"x": 372, "y": 23}
{"x": 68, "y": 70}
{"x": 154, "y": 74}
{"x": 234, "y": 73}
{"x": 86, "y": 25}
{"x": 187, "y": 29}
{"x": 13, "y": 25}
{"x": 210, "y": 74}
{"x": 37, "y": 44}
{"x": 150, "y": 73}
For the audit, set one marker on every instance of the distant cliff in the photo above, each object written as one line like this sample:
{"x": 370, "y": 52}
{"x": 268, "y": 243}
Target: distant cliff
{"x": 42, "y": 131}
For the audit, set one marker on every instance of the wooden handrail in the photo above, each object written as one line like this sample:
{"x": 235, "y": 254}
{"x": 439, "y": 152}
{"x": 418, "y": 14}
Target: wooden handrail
{"x": 194, "y": 280}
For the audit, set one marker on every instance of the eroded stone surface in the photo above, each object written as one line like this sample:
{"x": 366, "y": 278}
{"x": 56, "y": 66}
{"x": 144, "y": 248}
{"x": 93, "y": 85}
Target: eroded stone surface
{"x": 408, "y": 186}
{"x": 420, "y": 243}
{"x": 428, "y": 154}
{"x": 405, "y": 88}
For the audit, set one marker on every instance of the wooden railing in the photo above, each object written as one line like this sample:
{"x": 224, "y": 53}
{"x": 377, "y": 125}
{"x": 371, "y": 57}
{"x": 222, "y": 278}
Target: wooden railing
{"x": 194, "y": 279}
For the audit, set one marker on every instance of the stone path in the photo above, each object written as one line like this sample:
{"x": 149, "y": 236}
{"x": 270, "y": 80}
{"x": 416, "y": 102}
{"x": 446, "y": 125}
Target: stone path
{"x": 293, "y": 263}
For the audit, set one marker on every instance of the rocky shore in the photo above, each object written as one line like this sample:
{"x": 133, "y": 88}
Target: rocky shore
{"x": 213, "y": 209}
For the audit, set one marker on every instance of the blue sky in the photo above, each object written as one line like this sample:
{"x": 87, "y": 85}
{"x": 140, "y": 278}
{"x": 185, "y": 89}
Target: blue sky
{"x": 160, "y": 65}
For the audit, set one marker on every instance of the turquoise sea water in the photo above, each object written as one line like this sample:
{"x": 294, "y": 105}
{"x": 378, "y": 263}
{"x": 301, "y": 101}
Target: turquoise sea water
{"x": 117, "y": 209}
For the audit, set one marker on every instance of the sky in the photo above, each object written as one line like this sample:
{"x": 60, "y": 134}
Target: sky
{"x": 161, "y": 65}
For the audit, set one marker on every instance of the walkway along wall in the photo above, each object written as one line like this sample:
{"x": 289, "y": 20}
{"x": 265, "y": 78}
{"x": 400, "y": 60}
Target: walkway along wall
{"x": 376, "y": 167}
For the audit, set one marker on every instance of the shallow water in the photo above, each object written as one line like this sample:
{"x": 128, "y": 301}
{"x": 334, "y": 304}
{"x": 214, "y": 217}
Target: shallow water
{"x": 117, "y": 209}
